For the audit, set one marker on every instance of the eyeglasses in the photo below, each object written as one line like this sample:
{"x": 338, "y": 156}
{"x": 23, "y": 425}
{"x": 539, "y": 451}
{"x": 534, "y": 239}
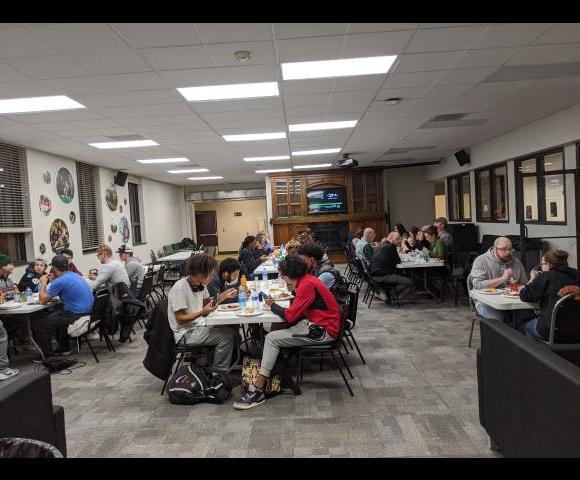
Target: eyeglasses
{"x": 506, "y": 249}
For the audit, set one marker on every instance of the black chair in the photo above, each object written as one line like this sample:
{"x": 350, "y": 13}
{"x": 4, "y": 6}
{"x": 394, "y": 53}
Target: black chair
{"x": 565, "y": 322}
{"x": 158, "y": 285}
{"x": 153, "y": 257}
{"x": 373, "y": 287}
{"x": 351, "y": 312}
{"x": 145, "y": 295}
{"x": 97, "y": 321}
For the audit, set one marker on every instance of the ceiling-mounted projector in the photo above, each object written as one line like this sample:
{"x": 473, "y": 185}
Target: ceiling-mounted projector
{"x": 346, "y": 161}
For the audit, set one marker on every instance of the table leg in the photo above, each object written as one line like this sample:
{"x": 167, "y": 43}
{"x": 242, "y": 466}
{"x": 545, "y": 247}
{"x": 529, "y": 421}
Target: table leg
{"x": 32, "y": 337}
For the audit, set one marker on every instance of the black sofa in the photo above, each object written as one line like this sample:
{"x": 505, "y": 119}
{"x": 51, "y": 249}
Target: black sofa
{"x": 528, "y": 393}
{"x": 26, "y": 410}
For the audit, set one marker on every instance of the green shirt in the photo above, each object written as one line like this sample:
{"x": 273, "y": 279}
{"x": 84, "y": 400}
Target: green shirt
{"x": 437, "y": 249}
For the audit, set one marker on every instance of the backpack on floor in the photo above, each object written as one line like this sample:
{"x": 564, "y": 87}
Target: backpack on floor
{"x": 192, "y": 384}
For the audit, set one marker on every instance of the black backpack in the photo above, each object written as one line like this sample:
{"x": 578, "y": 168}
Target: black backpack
{"x": 192, "y": 384}
{"x": 340, "y": 287}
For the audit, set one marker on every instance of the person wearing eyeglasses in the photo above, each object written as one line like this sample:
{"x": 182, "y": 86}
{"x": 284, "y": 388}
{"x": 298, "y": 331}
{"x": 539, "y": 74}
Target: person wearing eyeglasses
{"x": 494, "y": 269}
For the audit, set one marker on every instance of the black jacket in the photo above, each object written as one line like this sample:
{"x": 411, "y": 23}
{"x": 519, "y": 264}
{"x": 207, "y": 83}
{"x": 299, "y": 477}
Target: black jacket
{"x": 30, "y": 280}
{"x": 384, "y": 260}
{"x": 544, "y": 291}
{"x": 249, "y": 260}
{"x": 161, "y": 352}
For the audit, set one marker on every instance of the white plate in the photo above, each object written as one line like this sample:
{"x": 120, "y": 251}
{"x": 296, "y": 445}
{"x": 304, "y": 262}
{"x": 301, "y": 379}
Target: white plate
{"x": 224, "y": 308}
{"x": 281, "y": 299}
{"x": 254, "y": 314}
{"x": 10, "y": 305}
{"x": 505, "y": 295}
{"x": 497, "y": 292}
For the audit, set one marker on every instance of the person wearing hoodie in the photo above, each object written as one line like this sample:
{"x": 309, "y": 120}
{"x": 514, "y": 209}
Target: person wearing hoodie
{"x": 6, "y": 287}
{"x": 31, "y": 278}
{"x": 493, "y": 269}
{"x": 543, "y": 289}
{"x": 135, "y": 270}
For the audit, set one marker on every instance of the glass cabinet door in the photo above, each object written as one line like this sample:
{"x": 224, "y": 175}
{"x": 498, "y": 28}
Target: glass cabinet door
{"x": 281, "y": 199}
{"x": 294, "y": 187}
{"x": 372, "y": 192}
{"x": 358, "y": 201}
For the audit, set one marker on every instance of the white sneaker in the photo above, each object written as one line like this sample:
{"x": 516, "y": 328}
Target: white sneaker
{"x": 382, "y": 296}
{"x": 8, "y": 372}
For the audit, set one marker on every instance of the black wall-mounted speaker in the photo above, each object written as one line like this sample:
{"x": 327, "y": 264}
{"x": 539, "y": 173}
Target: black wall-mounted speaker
{"x": 462, "y": 157}
{"x": 121, "y": 178}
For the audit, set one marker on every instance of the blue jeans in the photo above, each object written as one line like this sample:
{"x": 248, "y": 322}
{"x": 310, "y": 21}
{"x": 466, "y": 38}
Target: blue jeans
{"x": 488, "y": 312}
{"x": 531, "y": 328}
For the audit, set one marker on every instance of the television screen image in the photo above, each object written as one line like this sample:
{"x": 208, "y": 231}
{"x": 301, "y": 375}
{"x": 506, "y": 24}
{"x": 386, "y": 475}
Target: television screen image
{"x": 327, "y": 200}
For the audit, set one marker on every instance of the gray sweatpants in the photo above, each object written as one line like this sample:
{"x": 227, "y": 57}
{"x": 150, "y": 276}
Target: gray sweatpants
{"x": 278, "y": 339}
{"x": 3, "y": 347}
{"x": 223, "y": 338}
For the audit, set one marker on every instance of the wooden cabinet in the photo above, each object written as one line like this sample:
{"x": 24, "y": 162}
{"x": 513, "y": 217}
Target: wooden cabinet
{"x": 287, "y": 197}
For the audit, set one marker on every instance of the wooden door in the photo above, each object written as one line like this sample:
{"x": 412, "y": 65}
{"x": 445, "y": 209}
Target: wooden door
{"x": 206, "y": 228}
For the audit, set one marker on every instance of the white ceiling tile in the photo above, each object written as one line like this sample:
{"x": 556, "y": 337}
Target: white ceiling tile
{"x": 260, "y": 104}
{"x": 452, "y": 91}
{"x": 77, "y": 125}
{"x": 497, "y": 87}
{"x": 214, "y": 107}
{"x": 375, "y": 44}
{"x": 490, "y": 57}
{"x": 147, "y": 35}
{"x": 76, "y": 85}
{"x": 222, "y": 54}
{"x": 62, "y": 116}
{"x": 511, "y": 35}
{"x": 24, "y": 89}
{"x": 561, "y": 33}
{"x": 401, "y": 92}
{"x": 406, "y": 80}
{"x": 9, "y": 74}
{"x": 145, "y": 110}
{"x": 249, "y": 74}
{"x": 52, "y": 66}
{"x": 380, "y": 27}
{"x": 347, "y": 108}
{"x": 233, "y": 32}
{"x": 464, "y": 76}
{"x": 478, "y": 99}
{"x": 363, "y": 97}
{"x": 305, "y": 100}
{"x": 169, "y": 119}
{"x": 146, "y": 97}
{"x": 308, "y": 49}
{"x": 80, "y": 37}
{"x": 17, "y": 42}
{"x": 543, "y": 54}
{"x": 293, "y": 30}
{"x": 103, "y": 62}
{"x": 439, "y": 39}
{"x": 364, "y": 82}
{"x": 192, "y": 77}
{"x": 258, "y": 114}
{"x": 305, "y": 87}
{"x": 170, "y": 58}
{"x": 135, "y": 81}
{"x": 420, "y": 62}
{"x": 431, "y": 102}
{"x": 317, "y": 110}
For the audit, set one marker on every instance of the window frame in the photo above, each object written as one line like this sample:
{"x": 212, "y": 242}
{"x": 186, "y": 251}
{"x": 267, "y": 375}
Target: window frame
{"x": 96, "y": 198}
{"x": 461, "y": 217}
{"x": 492, "y": 184}
{"x": 138, "y": 211}
{"x": 540, "y": 174}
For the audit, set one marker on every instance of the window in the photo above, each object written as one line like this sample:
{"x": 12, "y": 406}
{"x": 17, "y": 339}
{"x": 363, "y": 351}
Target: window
{"x": 135, "y": 205}
{"x": 459, "y": 198}
{"x": 542, "y": 194}
{"x": 15, "y": 221}
{"x": 89, "y": 203}
{"x": 491, "y": 189}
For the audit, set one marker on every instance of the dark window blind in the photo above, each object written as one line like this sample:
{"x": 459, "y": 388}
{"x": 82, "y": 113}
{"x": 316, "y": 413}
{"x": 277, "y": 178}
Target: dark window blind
{"x": 135, "y": 218}
{"x": 89, "y": 202}
{"x": 14, "y": 194}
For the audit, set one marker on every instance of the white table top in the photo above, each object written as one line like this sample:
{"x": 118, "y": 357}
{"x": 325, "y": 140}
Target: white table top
{"x": 176, "y": 257}
{"x": 26, "y": 308}
{"x": 156, "y": 267}
{"x": 499, "y": 302}
{"x": 267, "y": 266}
{"x": 406, "y": 263}
{"x": 230, "y": 318}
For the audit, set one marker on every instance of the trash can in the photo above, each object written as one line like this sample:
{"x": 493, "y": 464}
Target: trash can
{"x": 27, "y": 448}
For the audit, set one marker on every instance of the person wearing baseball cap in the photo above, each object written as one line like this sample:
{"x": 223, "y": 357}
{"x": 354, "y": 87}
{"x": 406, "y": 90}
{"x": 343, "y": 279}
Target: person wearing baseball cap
{"x": 77, "y": 301}
{"x": 7, "y": 288}
{"x": 134, "y": 269}
{"x": 30, "y": 279}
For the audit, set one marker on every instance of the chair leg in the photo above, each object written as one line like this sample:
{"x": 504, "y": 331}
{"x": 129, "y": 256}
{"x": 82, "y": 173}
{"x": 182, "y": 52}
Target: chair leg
{"x": 91, "y": 349}
{"x": 345, "y": 364}
{"x": 171, "y": 374}
{"x": 471, "y": 332}
{"x": 372, "y": 298}
{"x": 348, "y": 341}
{"x": 349, "y": 332}
{"x": 341, "y": 373}
{"x": 344, "y": 345}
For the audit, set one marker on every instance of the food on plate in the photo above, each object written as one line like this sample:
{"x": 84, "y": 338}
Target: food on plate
{"x": 275, "y": 289}
{"x": 230, "y": 306}
{"x": 249, "y": 310}
{"x": 509, "y": 293}
{"x": 491, "y": 290}
{"x": 279, "y": 295}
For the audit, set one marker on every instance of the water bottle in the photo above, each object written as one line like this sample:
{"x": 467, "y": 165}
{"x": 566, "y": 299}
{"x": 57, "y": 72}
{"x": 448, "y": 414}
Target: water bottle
{"x": 256, "y": 300}
{"x": 265, "y": 277}
{"x": 28, "y": 295}
{"x": 242, "y": 299}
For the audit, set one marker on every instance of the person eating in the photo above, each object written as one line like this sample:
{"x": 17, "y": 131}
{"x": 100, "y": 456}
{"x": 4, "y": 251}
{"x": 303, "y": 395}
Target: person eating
{"x": 226, "y": 277}
{"x": 7, "y": 289}
{"x": 67, "y": 252}
{"x": 249, "y": 257}
{"x": 31, "y": 276}
{"x": 436, "y": 246}
{"x": 364, "y": 247}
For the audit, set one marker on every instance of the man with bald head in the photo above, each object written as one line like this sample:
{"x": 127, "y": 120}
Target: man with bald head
{"x": 364, "y": 247}
{"x": 493, "y": 269}
{"x": 383, "y": 266}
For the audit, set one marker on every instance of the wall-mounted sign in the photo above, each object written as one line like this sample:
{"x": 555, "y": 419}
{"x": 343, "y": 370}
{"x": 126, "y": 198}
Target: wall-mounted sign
{"x": 555, "y": 181}
{"x": 237, "y": 214}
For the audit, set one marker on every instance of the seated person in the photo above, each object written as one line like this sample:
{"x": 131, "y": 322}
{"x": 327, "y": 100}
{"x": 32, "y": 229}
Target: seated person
{"x": 313, "y": 305}
{"x": 364, "y": 247}
{"x": 383, "y": 266}
{"x": 422, "y": 241}
{"x": 401, "y": 230}
{"x": 543, "y": 289}
{"x": 112, "y": 272}
{"x": 31, "y": 277}
{"x": 249, "y": 255}
{"x": 357, "y": 236}
{"x": 77, "y": 300}
{"x": 441, "y": 225}
{"x": 410, "y": 243}
{"x": 306, "y": 236}
{"x": 189, "y": 301}
{"x": 226, "y": 277}
{"x": 68, "y": 254}
{"x": 7, "y": 289}
{"x": 135, "y": 270}
{"x": 264, "y": 247}
{"x": 291, "y": 247}
{"x": 313, "y": 255}
{"x": 436, "y": 246}
{"x": 493, "y": 269}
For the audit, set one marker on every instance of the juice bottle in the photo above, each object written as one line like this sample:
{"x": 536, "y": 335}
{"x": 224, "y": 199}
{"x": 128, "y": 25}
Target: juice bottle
{"x": 243, "y": 283}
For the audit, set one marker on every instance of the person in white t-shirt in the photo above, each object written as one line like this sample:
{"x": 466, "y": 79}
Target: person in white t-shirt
{"x": 189, "y": 301}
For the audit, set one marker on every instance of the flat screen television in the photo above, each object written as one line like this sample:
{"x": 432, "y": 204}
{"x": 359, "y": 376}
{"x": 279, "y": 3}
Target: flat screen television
{"x": 327, "y": 200}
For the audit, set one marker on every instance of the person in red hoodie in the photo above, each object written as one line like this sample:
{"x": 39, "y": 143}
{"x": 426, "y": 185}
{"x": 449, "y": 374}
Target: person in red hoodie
{"x": 314, "y": 312}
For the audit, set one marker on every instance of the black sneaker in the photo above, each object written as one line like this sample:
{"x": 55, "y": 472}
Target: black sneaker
{"x": 252, "y": 398}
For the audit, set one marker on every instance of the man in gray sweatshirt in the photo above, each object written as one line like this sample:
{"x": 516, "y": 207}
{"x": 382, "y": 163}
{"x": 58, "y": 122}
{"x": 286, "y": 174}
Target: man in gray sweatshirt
{"x": 112, "y": 271}
{"x": 494, "y": 269}
{"x": 133, "y": 267}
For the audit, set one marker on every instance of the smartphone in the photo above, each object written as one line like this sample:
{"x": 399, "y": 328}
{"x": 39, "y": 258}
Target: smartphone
{"x": 265, "y": 296}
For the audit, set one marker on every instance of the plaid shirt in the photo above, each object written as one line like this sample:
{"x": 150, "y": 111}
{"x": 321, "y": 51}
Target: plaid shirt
{"x": 7, "y": 287}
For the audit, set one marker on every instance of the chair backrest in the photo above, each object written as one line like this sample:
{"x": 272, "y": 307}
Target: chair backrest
{"x": 147, "y": 285}
{"x": 101, "y": 305}
{"x": 565, "y": 323}
{"x": 153, "y": 257}
{"x": 160, "y": 274}
{"x": 353, "y": 293}
{"x": 469, "y": 289}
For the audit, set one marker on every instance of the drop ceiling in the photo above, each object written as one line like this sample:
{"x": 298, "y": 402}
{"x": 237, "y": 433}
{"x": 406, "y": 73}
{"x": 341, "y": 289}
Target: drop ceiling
{"x": 127, "y": 74}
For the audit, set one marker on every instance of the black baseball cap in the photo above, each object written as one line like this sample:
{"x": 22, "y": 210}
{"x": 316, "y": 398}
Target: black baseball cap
{"x": 125, "y": 249}
{"x": 60, "y": 262}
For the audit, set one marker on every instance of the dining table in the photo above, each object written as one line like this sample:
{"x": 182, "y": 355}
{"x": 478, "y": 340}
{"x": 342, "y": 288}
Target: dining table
{"x": 503, "y": 302}
{"x": 414, "y": 262}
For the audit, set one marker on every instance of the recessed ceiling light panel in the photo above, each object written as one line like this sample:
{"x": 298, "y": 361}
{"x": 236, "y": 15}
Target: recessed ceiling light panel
{"x": 230, "y": 92}
{"x": 189, "y": 170}
{"x": 252, "y": 137}
{"x": 205, "y": 178}
{"x": 307, "y": 127}
{"x": 38, "y": 104}
{"x": 323, "y": 151}
{"x": 129, "y": 144}
{"x": 267, "y": 159}
{"x": 347, "y": 67}
{"x": 319, "y": 165}
{"x": 275, "y": 170}
{"x": 164, "y": 160}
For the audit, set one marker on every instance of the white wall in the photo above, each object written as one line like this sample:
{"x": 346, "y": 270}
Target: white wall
{"x": 560, "y": 129}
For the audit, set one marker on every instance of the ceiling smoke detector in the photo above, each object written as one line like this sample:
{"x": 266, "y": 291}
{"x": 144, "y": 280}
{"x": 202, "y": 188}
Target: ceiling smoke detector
{"x": 243, "y": 56}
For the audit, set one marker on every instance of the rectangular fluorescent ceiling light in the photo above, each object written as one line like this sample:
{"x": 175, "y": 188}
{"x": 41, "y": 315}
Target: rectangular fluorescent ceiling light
{"x": 323, "y": 151}
{"x": 189, "y": 170}
{"x": 320, "y": 165}
{"x": 306, "y": 127}
{"x": 230, "y": 92}
{"x": 274, "y": 170}
{"x": 205, "y": 178}
{"x": 251, "y": 137}
{"x": 38, "y": 104}
{"x": 164, "y": 160}
{"x": 264, "y": 159}
{"x": 129, "y": 144}
{"x": 347, "y": 67}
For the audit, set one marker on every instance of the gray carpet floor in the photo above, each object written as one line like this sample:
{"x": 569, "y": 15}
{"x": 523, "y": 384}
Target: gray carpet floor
{"x": 415, "y": 397}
